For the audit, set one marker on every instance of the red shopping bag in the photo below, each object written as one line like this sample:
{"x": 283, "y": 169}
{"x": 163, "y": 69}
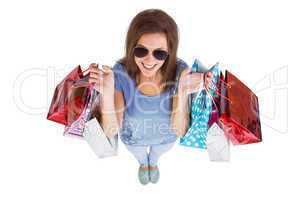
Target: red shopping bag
{"x": 69, "y": 98}
{"x": 76, "y": 127}
{"x": 239, "y": 111}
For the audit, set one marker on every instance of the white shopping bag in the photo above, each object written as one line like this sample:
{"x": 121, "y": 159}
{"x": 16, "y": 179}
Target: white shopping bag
{"x": 98, "y": 141}
{"x": 217, "y": 144}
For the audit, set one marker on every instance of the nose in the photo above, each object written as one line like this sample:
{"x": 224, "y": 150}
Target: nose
{"x": 149, "y": 59}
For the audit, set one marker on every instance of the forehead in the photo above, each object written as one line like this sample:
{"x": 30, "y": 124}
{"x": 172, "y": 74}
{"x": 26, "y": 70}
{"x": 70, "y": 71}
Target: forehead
{"x": 154, "y": 41}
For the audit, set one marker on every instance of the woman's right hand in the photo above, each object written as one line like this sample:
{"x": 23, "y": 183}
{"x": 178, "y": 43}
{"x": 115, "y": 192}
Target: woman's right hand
{"x": 103, "y": 79}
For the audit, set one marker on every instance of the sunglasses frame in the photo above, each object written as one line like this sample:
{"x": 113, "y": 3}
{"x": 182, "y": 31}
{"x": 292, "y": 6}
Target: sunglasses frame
{"x": 149, "y": 51}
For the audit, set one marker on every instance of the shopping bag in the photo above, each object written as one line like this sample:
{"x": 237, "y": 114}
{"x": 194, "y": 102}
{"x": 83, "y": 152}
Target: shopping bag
{"x": 78, "y": 97}
{"x": 101, "y": 145}
{"x": 214, "y": 116}
{"x": 59, "y": 110}
{"x": 217, "y": 144}
{"x": 76, "y": 128}
{"x": 200, "y": 112}
{"x": 239, "y": 111}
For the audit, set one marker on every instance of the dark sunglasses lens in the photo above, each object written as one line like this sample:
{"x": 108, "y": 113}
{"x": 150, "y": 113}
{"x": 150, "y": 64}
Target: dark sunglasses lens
{"x": 140, "y": 52}
{"x": 160, "y": 54}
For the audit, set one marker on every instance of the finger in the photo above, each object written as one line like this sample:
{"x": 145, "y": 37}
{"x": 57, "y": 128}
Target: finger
{"x": 99, "y": 79}
{"x": 194, "y": 79}
{"x": 195, "y": 83}
{"x": 93, "y": 65}
{"x": 192, "y": 90}
{"x": 97, "y": 73}
{"x": 94, "y": 70}
{"x": 195, "y": 86}
{"x": 191, "y": 87}
{"x": 94, "y": 75}
{"x": 197, "y": 74}
{"x": 209, "y": 75}
{"x": 208, "y": 78}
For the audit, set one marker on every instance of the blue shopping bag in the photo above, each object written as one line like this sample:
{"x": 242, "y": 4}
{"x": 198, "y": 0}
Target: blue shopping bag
{"x": 201, "y": 107}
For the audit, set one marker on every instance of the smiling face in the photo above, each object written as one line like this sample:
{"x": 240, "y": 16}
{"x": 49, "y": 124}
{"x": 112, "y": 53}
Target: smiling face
{"x": 149, "y": 65}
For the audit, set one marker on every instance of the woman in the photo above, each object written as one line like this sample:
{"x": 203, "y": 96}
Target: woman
{"x": 145, "y": 95}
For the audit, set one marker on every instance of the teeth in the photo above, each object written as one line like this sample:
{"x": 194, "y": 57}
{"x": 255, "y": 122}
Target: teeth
{"x": 148, "y": 66}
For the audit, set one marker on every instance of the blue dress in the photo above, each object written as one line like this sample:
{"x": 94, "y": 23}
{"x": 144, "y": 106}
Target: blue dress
{"x": 146, "y": 118}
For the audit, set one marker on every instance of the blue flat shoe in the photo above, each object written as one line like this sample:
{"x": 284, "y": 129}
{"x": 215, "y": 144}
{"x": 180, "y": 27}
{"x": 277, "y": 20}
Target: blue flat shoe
{"x": 154, "y": 174}
{"x": 143, "y": 175}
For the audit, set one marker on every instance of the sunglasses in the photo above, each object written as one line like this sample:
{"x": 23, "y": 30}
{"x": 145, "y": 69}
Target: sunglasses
{"x": 141, "y": 52}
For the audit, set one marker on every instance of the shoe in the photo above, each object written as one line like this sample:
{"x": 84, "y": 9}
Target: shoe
{"x": 154, "y": 174}
{"x": 143, "y": 175}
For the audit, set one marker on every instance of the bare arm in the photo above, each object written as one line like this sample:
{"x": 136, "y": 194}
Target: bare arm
{"x": 112, "y": 112}
{"x": 109, "y": 121}
{"x": 180, "y": 116}
{"x": 111, "y": 101}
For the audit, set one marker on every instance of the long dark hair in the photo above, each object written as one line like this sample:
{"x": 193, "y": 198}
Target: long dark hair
{"x": 152, "y": 21}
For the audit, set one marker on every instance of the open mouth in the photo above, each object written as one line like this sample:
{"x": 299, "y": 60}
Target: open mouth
{"x": 148, "y": 67}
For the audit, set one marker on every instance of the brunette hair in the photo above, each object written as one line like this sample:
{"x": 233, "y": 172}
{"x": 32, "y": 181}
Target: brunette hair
{"x": 152, "y": 21}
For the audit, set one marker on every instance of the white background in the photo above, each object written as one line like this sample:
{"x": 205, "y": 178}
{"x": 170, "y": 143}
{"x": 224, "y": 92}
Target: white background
{"x": 42, "y": 40}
